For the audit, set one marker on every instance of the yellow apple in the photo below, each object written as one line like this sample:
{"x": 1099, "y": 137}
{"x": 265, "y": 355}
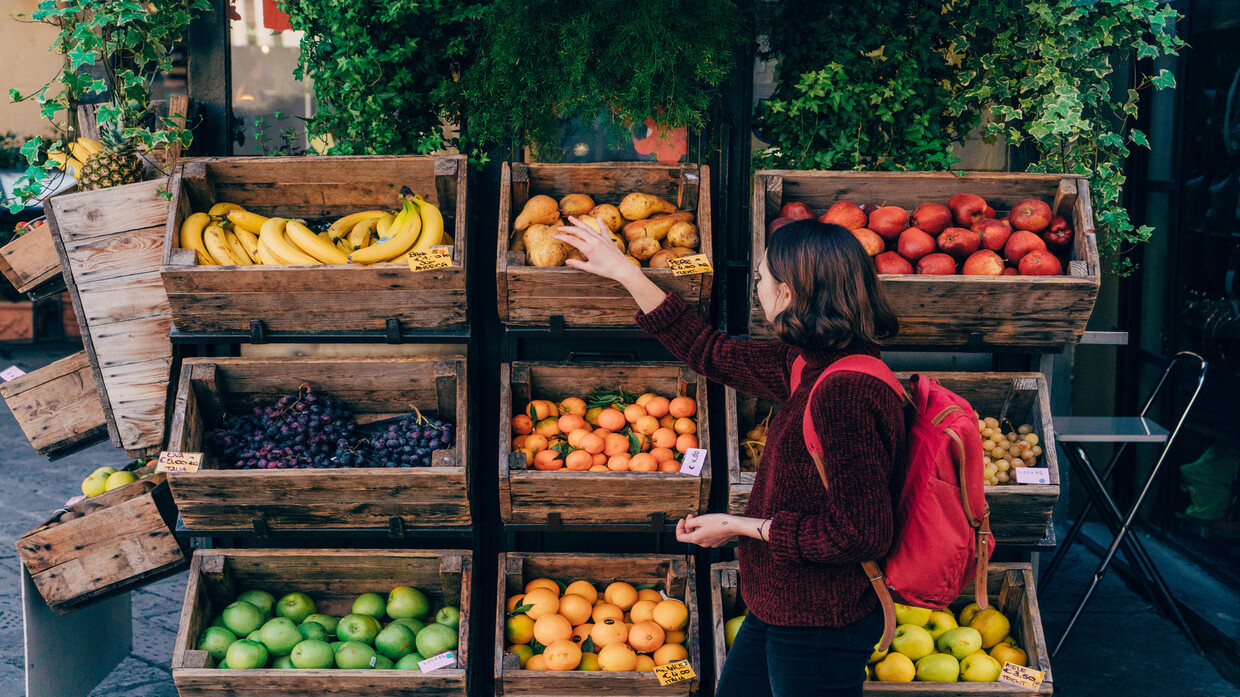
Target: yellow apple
{"x": 1006, "y": 653}
{"x": 979, "y": 667}
{"x": 959, "y": 642}
{"x": 940, "y": 623}
{"x": 907, "y": 614}
{"x": 966, "y": 614}
{"x": 896, "y": 667}
{"x": 938, "y": 667}
{"x": 912, "y": 641}
{"x": 992, "y": 625}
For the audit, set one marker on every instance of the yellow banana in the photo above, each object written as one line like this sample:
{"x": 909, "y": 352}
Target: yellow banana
{"x": 79, "y": 151}
{"x": 341, "y": 227}
{"x": 92, "y": 146}
{"x": 249, "y": 242}
{"x": 384, "y": 224}
{"x": 359, "y": 236}
{"x": 219, "y": 209}
{"x": 432, "y": 225}
{"x": 272, "y": 235}
{"x": 191, "y": 237}
{"x": 247, "y": 220}
{"x": 343, "y": 245}
{"x": 238, "y": 249}
{"x": 401, "y": 236}
{"x": 266, "y": 255}
{"x": 312, "y": 244}
{"x": 217, "y": 245}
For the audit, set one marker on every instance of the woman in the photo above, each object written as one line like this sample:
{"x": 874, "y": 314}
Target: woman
{"x": 813, "y": 616}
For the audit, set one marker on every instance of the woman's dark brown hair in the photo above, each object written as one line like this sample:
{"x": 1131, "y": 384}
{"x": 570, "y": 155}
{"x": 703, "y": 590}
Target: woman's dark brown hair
{"x": 836, "y": 299}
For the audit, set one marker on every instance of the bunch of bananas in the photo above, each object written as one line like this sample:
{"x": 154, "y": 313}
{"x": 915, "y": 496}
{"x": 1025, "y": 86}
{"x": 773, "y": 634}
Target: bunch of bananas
{"x": 229, "y": 235}
{"x": 75, "y": 156}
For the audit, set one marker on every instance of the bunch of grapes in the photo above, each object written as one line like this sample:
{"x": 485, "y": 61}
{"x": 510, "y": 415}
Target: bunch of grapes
{"x": 410, "y": 441}
{"x": 1006, "y": 451}
{"x": 304, "y": 430}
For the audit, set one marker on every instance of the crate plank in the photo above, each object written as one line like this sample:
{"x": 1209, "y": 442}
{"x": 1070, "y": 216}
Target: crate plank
{"x": 30, "y": 260}
{"x": 57, "y": 405}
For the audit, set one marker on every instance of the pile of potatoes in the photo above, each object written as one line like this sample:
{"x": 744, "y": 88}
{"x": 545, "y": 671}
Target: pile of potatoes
{"x": 648, "y": 229}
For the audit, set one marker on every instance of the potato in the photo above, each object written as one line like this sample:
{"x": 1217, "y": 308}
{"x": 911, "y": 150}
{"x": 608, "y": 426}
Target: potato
{"x": 643, "y": 248}
{"x": 683, "y": 235}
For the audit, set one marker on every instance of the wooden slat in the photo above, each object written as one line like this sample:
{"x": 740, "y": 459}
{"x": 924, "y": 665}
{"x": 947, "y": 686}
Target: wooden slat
{"x": 30, "y": 260}
{"x": 57, "y": 405}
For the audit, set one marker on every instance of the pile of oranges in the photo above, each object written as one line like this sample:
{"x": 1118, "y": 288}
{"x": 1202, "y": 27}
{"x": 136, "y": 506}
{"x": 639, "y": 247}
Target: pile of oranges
{"x": 572, "y": 627}
{"x": 607, "y": 433}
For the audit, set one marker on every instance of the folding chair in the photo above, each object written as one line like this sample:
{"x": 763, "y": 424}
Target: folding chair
{"x": 1071, "y": 432}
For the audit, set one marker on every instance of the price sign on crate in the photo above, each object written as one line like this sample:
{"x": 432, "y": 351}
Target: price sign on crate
{"x": 178, "y": 462}
{"x": 443, "y": 660}
{"x": 11, "y": 373}
{"x": 674, "y": 672}
{"x": 695, "y": 458}
{"x": 692, "y": 264}
{"x": 433, "y": 258}
{"x": 1021, "y": 676}
{"x": 1032, "y": 475}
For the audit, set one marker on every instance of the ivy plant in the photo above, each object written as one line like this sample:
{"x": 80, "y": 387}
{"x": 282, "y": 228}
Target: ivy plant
{"x": 113, "y": 49}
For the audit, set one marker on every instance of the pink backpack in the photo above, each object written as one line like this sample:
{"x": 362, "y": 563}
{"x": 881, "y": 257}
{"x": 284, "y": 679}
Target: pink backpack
{"x": 942, "y": 530}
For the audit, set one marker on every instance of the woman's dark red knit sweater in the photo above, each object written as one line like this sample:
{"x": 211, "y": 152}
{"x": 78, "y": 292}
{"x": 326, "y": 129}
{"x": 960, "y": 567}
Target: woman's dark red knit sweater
{"x": 809, "y": 574}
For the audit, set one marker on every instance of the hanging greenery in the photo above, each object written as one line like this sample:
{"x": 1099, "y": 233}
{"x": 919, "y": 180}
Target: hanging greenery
{"x": 541, "y": 62}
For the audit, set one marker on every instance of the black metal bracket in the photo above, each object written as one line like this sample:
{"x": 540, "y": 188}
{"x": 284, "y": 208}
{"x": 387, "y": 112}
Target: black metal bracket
{"x": 396, "y": 527}
{"x": 258, "y": 332}
{"x": 556, "y": 325}
{"x": 259, "y": 523}
{"x": 393, "y": 330}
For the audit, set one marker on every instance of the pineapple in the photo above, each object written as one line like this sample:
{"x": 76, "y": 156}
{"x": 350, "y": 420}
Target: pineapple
{"x": 116, "y": 164}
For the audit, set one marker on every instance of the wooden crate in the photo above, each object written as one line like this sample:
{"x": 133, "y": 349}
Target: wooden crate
{"x": 1010, "y": 587}
{"x": 532, "y": 496}
{"x": 333, "y": 578}
{"x": 673, "y": 575}
{"x": 537, "y": 296}
{"x": 110, "y": 242}
{"x": 126, "y": 541}
{"x": 955, "y": 311}
{"x": 1019, "y": 513}
{"x": 316, "y": 298}
{"x": 57, "y": 405}
{"x": 345, "y": 498}
{"x": 30, "y": 260}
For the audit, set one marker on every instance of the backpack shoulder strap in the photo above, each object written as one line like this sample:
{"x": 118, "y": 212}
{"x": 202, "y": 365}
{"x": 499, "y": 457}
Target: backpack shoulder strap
{"x": 798, "y": 368}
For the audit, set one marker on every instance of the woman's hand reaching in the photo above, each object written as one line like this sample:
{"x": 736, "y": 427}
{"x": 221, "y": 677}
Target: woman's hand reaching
{"x": 604, "y": 258}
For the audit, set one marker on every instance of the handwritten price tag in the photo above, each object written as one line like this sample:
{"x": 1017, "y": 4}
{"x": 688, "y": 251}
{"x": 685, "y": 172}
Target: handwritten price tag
{"x": 1032, "y": 475}
{"x": 178, "y": 462}
{"x": 692, "y": 264}
{"x": 674, "y": 672}
{"x": 1021, "y": 676}
{"x": 11, "y": 373}
{"x": 695, "y": 458}
{"x": 443, "y": 660}
{"x": 434, "y": 258}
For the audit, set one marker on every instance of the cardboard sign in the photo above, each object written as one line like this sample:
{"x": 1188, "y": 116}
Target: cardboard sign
{"x": 695, "y": 458}
{"x": 687, "y": 266}
{"x": 675, "y": 672}
{"x": 178, "y": 462}
{"x": 11, "y": 373}
{"x": 1021, "y": 676}
{"x": 1032, "y": 475}
{"x": 443, "y": 660}
{"x": 434, "y": 258}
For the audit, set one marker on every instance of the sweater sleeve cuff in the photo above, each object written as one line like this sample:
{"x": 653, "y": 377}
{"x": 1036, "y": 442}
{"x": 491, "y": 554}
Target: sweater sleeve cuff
{"x": 665, "y": 315}
{"x": 783, "y": 537}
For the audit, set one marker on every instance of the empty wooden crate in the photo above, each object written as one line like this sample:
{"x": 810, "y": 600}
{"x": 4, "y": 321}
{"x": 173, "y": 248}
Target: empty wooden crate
{"x": 333, "y": 578}
{"x": 215, "y": 499}
{"x": 57, "y": 405}
{"x": 30, "y": 260}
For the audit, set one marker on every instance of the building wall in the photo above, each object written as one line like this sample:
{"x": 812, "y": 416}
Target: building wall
{"x": 28, "y": 64}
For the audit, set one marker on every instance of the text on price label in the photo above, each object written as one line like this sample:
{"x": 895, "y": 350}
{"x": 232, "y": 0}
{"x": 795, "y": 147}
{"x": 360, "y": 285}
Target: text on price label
{"x": 1032, "y": 475}
{"x": 433, "y": 258}
{"x": 687, "y": 266}
{"x": 178, "y": 462}
{"x": 694, "y": 459}
{"x": 11, "y": 373}
{"x": 443, "y": 660}
{"x": 674, "y": 672}
{"x": 1021, "y": 676}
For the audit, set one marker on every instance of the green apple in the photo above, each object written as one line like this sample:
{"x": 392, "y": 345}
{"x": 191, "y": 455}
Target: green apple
{"x": 241, "y": 618}
{"x": 296, "y": 607}
{"x": 409, "y": 662}
{"x": 280, "y": 635}
{"x": 415, "y": 625}
{"x": 281, "y": 663}
{"x": 312, "y": 630}
{"x": 327, "y": 621}
{"x": 383, "y": 662}
{"x": 913, "y": 641}
{"x": 219, "y": 622}
{"x": 254, "y": 636}
{"x": 896, "y": 667}
{"x": 406, "y": 602}
{"x": 979, "y": 667}
{"x": 966, "y": 614}
{"x": 370, "y": 604}
{"x": 992, "y": 625}
{"x": 215, "y": 641}
{"x": 938, "y": 667}
{"x": 336, "y": 646}
{"x": 355, "y": 655}
{"x": 395, "y": 641}
{"x": 261, "y": 600}
{"x": 940, "y": 623}
{"x": 435, "y": 638}
{"x": 730, "y": 628}
{"x": 223, "y": 665}
{"x": 313, "y": 653}
{"x": 357, "y": 628}
{"x": 244, "y": 654}
{"x": 960, "y": 642}
{"x": 448, "y": 616}
{"x": 907, "y": 614}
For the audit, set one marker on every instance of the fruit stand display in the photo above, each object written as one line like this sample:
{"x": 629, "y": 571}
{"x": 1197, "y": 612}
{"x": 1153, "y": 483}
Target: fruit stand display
{"x": 533, "y": 602}
{"x": 57, "y": 405}
{"x": 601, "y": 443}
{"x": 322, "y": 443}
{"x": 972, "y": 288}
{"x": 655, "y": 212}
{"x": 269, "y": 646}
{"x": 1019, "y": 404}
{"x": 304, "y": 282}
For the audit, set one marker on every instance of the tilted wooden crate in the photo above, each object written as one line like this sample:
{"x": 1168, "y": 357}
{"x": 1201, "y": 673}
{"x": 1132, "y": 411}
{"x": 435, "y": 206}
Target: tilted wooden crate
{"x": 1019, "y": 513}
{"x": 673, "y": 575}
{"x": 540, "y": 296}
{"x": 333, "y": 578}
{"x": 57, "y": 405}
{"x": 955, "y": 311}
{"x": 316, "y": 298}
{"x": 343, "y": 498}
{"x": 527, "y": 495}
{"x": 30, "y": 260}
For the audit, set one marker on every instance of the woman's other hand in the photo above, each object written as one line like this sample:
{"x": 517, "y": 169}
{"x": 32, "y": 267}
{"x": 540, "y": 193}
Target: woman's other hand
{"x": 710, "y": 530}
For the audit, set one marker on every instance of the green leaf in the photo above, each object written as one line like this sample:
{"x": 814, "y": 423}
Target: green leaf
{"x": 521, "y": 609}
{"x": 635, "y": 444}
{"x": 1139, "y": 138}
{"x": 644, "y": 586}
{"x": 1164, "y": 79}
